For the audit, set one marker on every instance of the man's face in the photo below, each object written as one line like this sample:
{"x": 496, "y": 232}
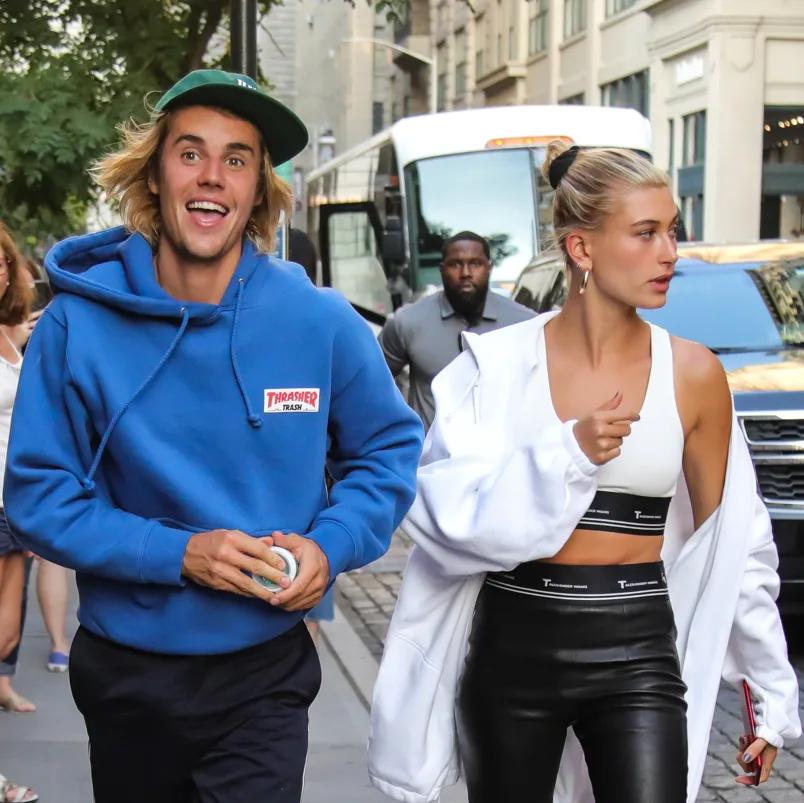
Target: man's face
{"x": 465, "y": 272}
{"x": 207, "y": 181}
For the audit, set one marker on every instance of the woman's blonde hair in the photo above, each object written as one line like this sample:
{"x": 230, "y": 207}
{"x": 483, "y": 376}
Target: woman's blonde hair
{"x": 590, "y": 189}
{"x": 15, "y": 305}
{"x": 124, "y": 174}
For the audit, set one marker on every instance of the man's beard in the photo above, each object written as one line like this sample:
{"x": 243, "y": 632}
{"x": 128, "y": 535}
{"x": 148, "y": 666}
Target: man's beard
{"x": 469, "y": 306}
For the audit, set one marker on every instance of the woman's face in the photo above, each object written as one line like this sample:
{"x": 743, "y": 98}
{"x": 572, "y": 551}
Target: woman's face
{"x": 633, "y": 256}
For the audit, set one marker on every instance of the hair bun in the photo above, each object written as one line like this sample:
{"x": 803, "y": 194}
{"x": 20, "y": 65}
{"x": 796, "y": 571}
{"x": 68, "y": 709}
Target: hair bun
{"x": 554, "y": 149}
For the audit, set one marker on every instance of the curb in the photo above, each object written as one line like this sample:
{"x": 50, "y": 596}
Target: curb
{"x": 352, "y": 656}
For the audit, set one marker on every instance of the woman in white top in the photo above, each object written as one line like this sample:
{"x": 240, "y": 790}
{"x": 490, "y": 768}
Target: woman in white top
{"x": 551, "y": 479}
{"x": 15, "y": 302}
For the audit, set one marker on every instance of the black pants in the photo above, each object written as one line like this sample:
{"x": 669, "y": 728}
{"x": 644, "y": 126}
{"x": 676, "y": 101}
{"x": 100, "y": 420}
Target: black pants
{"x": 592, "y": 648}
{"x": 196, "y": 729}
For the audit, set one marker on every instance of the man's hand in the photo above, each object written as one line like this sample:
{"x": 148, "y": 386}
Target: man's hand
{"x": 218, "y": 558}
{"x": 311, "y": 582}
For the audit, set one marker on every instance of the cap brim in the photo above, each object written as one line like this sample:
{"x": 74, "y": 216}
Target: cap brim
{"x": 284, "y": 134}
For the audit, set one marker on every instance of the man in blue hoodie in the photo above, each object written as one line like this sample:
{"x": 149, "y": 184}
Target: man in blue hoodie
{"x": 179, "y": 398}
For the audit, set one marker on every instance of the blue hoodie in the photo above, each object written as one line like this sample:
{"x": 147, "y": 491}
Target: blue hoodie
{"x": 141, "y": 420}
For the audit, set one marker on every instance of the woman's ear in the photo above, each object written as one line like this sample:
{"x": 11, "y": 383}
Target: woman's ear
{"x": 578, "y": 249}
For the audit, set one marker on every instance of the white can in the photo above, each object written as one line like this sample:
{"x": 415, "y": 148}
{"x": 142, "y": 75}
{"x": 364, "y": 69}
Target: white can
{"x": 291, "y": 569}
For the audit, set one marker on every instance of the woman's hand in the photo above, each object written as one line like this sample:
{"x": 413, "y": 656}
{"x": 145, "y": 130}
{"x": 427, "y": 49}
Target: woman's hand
{"x": 600, "y": 435}
{"x": 747, "y": 753}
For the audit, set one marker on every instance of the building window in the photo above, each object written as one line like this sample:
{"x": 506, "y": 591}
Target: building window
{"x": 406, "y": 106}
{"x": 694, "y": 139}
{"x": 574, "y": 17}
{"x": 574, "y": 100}
{"x": 377, "y": 117}
{"x": 616, "y": 6}
{"x": 632, "y": 92}
{"x": 537, "y": 28}
{"x": 671, "y": 160}
{"x": 513, "y": 44}
{"x": 691, "y": 173}
{"x": 480, "y": 67}
{"x": 380, "y": 53}
{"x": 460, "y": 64}
{"x": 442, "y": 13}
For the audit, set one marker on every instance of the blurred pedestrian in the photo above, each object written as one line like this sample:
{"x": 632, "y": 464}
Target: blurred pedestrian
{"x": 426, "y": 335}
{"x": 15, "y": 564}
{"x": 181, "y": 394}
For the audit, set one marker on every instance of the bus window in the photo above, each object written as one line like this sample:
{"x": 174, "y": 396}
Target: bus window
{"x": 488, "y": 192}
{"x": 351, "y": 259}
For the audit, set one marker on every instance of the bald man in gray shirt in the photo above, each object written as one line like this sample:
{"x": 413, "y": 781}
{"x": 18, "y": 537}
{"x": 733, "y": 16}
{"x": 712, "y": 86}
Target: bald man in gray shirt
{"x": 426, "y": 336}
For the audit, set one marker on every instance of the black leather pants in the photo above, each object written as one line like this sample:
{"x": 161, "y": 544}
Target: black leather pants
{"x": 554, "y": 647}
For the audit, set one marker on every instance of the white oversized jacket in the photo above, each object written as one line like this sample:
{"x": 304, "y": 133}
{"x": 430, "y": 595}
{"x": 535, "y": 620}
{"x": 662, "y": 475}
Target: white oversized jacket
{"x": 497, "y": 488}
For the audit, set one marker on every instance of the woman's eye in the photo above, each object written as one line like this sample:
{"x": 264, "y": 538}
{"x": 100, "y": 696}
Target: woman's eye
{"x": 646, "y": 235}
{"x": 674, "y": 232}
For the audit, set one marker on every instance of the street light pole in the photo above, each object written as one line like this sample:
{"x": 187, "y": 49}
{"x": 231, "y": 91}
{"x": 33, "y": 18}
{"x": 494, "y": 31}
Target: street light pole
{"x": 431, "y": 62}
{"x": 243, "y": 36}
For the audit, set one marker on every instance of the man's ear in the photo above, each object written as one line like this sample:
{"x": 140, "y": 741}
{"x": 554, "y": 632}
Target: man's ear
{"x": 153, "y": 179}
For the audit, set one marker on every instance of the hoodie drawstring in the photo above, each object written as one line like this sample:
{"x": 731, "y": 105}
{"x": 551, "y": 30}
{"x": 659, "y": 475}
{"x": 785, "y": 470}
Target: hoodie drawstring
{"x": 253, "y": 419}
{"x": 88, "y": 481}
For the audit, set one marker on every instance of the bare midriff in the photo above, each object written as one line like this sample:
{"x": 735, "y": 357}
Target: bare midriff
{"x": 595, "y": 548}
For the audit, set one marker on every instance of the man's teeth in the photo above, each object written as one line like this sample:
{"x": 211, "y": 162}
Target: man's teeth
{"x": 207, "y": 206}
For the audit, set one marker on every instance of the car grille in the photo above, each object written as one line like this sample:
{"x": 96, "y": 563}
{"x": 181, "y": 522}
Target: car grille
{"x": 781, "y": 482}
{"x": 763, "y": 430}
{"x": 777, "y": 448}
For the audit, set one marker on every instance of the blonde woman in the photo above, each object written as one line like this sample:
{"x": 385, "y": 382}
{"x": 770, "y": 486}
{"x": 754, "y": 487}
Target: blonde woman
{"x": 591, "y": 553}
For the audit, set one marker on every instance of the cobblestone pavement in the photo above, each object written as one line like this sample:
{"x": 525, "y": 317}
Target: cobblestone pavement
{"x": 367, "y": 598}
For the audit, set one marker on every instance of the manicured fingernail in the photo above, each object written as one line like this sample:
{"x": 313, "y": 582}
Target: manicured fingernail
{"x": 285, "y": 582}
{"x": 748, "y": 758}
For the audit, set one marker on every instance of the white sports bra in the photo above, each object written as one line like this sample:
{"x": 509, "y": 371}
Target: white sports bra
{"x": 635, "y": 488}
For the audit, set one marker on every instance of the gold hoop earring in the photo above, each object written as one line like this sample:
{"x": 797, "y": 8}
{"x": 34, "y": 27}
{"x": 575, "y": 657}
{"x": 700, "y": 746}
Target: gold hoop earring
{"x": 584, "y": 281}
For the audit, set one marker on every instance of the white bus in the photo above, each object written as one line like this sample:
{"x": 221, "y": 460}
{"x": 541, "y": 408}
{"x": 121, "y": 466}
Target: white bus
{"x": 380, "y": 213}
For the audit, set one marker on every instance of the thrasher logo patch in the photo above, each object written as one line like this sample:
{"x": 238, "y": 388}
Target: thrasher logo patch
{"x": 292, "y": 400}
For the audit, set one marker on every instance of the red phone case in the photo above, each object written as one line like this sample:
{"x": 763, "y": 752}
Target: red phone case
{"x": 750, "y": 726}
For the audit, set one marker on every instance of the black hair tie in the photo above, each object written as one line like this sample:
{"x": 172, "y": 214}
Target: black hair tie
{"x": 560, "y": 165}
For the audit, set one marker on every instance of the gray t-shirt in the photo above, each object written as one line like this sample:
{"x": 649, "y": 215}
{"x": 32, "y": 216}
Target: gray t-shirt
{"x": 426, "y": 337}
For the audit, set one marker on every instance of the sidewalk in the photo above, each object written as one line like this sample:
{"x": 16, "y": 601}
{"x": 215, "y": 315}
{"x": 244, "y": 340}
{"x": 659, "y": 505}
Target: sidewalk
{"x": 48, "y": 750}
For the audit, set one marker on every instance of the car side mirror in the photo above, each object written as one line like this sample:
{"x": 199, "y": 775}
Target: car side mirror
{"x": 393, "y": 243}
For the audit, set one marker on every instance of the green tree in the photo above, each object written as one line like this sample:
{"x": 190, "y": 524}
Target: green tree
{"x": 71, "y": 70}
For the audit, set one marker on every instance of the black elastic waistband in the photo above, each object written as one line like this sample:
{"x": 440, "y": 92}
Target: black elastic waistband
{"x": 626, "y": 513}
{"x": 561, "y": 581}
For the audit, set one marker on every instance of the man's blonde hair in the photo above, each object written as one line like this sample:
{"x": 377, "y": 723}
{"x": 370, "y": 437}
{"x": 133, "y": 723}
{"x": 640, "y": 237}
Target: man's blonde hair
{"x": 124, "y": 174}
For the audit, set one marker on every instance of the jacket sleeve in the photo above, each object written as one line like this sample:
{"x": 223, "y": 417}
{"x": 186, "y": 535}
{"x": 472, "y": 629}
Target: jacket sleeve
{"x": 757, "y": 650}
{"x": 483, "y": 505}
{"x": 376, "y": 444}
{"x": 49, "y": 452}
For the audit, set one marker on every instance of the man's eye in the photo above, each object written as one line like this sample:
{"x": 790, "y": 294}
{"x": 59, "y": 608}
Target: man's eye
{"x": 236, "y": 161}
{"x": 189, "y": 156}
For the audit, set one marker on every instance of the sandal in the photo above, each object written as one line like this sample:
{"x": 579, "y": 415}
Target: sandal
{"x": 11, "y": 793}
{"x": 17, "y": 704}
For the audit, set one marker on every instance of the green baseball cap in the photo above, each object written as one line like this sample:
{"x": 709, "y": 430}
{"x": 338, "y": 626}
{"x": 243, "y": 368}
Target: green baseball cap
{"x": 285, "y": 135}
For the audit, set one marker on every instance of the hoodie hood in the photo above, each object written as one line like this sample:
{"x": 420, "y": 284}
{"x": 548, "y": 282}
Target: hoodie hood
{"x": 116, "y": 269}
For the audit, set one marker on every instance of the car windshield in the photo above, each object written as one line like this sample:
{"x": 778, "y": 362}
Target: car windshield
{"x": 491, "y": 193}
{"x": 733, "y": 309}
